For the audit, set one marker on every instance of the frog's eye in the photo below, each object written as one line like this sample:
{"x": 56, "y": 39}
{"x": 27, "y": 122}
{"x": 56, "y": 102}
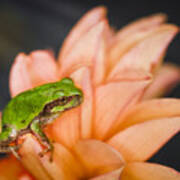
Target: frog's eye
{"x": 5, "y": 126}
{"x": 23, "y": 121}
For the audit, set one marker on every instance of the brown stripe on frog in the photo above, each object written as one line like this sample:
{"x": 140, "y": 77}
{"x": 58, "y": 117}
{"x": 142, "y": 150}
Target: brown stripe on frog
{"x": 59, "y": 102}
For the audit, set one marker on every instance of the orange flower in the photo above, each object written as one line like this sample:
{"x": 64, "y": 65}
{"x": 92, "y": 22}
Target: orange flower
{"x": 119, "y": 126}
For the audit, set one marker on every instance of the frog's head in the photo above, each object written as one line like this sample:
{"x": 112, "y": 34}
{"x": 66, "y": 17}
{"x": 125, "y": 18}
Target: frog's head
{"x": 67, "y": 96}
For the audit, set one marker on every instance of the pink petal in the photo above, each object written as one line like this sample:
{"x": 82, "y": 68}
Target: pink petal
{"x": 30, "y": 158}
{"x": 147, "y": 54}
{"x": 20, "y": 79}
{"x": 29, "y": 71}
{"x": 141, "y": 141}
{"x": 82, "y": 79}
{"x": 151, "y": 110}
{"x": 68, "y": 166}
{"x": 24, "y": 177}
{"x": 114, "y": 175}
{"x": 66, "y": 129}
{"x": 148, "y": 171}
{"x": 90, "y": 19}
{"x": 11, "y": 168}
{"x": 100, "y": 62}
{"x": 141, "y": 24}
{"x": 86, "y": 50}
{"x": 97, "y": 157}
{"x": 130, "y": 75}
{"x": 131, "y": 34}
{"x": 165, "y": 79}
{"x": 64, "y": 166}
{"x": 112, "y": 100}
{"x": 43, "y": 67}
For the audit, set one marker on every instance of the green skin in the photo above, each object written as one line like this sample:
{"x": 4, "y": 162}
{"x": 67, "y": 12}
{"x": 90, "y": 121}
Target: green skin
{"x": 31, "y": 110}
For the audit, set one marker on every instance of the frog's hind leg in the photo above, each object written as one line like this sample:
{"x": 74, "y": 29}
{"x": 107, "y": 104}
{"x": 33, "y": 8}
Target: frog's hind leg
{"x": 37, "y": 130}
{"x": 11, "y": 149}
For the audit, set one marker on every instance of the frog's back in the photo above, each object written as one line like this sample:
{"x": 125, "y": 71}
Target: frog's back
{"x": 23, "y": 108}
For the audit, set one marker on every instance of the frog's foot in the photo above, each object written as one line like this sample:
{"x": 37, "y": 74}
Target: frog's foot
{"x": 14, "y": 150}
{"x": 49, "y": 148}
{"x": 11, "y": 149}
{"x": 36, "y": 128}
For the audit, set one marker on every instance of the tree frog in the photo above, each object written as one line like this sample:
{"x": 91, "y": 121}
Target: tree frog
{"x": 31, "y": 110}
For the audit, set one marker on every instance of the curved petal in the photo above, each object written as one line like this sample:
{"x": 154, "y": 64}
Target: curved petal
{"x": 25, "y": 177}
{"x": 131, "y": 34}
{"x": 89, "y": 20}
{"x": 64, "y": 166}
{"x": 30, "y": 158}
{"x": 148, "y": 171}
{"x": 43, "y": 67}
{"x": 141, "y": 141}
{"x": 114, "y": 175}
{"x": 165, "y": 79}
{"x": 141, "y": 24}
{"x": 98, "y": 157}
{"x": 86, "y": 50}
{"x": 19, "y": 76}
{"x": 11, "y": 168}
{"x": 151, "y": 110}
{"x": 130, "y": 75}
{"x": 83, "y": 80}
{"x": 29, "y": 71}
{"x": 112, "y": 100}
{"x": 146, "y": 55}
{"x": 100, "y": 66}
{"x": 66, "y": 128}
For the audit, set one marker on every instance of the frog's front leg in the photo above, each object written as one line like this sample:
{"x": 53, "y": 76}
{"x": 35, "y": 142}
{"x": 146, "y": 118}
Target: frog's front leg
{"x": 37, "y": 130}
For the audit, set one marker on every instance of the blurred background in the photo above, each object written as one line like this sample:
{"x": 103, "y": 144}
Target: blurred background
{"x": 27, "y": 25}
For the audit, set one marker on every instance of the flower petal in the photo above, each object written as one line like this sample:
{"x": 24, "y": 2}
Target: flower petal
{"x": 100, "y": 62}
{"x": 25, "y": 177}
{"x": 147, "y": 54}
{"x": 86, "y": 50}
{"x": 130, "y": 75}
{"x": 89, "y": 20}
{"x": 151, "y": 110}
{"x": 98, "y": 157}
{"x": 19, "y": 75}
{"x": 165, "y": 79}
{"x": 11, "y": 168}
{"x": 64, "y": 166}
{"x": 30, "y": 158}
{"x": 43, "y": 67}
{"x": 83, "y": 80}
{"x": 29, "y": 71}
{"x": 141, "y": 24}
{"x": 114, "y": 175}
{"x": 66, "y": 129}
{"x": 141, "y": 141}
{"x": 112, "y": 100}
{"x": 131, "y": 34}
{"x": 148, "y": 171}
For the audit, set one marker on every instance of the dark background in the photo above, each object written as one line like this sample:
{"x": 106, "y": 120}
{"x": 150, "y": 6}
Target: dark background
{"x": 26, "y": 25}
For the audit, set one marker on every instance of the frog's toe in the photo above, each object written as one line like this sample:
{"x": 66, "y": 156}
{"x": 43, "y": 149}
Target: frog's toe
{"x": 47, "y": 150}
